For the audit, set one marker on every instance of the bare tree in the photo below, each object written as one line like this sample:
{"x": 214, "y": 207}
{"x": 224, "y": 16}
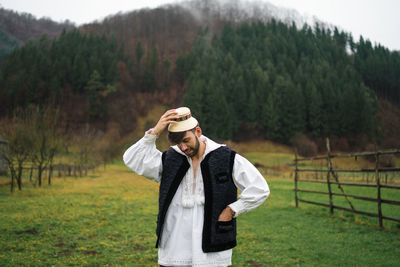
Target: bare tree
{"x": 20, "y": 143}
{"x": 107, "y": 146}
{"x": 44, "y": 130}
{"x": 85, "y": 152}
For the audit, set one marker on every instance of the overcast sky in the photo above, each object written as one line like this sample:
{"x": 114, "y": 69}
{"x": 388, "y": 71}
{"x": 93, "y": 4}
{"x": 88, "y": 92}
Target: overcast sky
{"x": 377, "y": 20}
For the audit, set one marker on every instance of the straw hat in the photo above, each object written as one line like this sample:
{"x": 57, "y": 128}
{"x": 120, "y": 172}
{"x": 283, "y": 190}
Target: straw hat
{"x": 184, "y": 122}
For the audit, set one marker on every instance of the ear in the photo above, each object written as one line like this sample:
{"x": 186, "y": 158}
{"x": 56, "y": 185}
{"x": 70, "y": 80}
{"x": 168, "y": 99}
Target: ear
{"x": 198, "y": 131}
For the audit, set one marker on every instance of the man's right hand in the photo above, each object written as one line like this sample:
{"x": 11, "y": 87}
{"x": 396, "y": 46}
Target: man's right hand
{"x": 167, "y": 118}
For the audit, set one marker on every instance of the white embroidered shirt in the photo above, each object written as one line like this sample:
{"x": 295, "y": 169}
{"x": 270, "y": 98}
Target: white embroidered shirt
{"x": 182, "y": 231}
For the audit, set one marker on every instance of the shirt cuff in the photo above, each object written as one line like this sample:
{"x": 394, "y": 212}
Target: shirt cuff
{"x": 150, "y": 137}
{"x": 237, "y": 207}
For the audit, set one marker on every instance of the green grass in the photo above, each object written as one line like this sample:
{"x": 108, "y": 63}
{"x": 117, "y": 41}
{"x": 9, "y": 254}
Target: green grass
{"x": 109, "y": 219}
{"x": 272, "y": 164}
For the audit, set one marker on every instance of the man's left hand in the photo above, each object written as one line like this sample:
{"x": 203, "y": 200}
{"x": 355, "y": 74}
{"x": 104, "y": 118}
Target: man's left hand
{"x": 226, "y": 215}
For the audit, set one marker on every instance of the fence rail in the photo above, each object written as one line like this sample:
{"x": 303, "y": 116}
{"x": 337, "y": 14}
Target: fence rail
{"x": 332, "y": 178}
{"x": 350, "y": 155}
{"x": 348, "y": 170}
{"x": 62, "y": 169}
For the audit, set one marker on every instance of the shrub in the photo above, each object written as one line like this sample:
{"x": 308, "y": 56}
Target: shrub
{"x": 304, "y": 146}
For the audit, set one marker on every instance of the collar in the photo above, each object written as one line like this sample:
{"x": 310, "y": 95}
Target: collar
{"x": 210, "y": 146}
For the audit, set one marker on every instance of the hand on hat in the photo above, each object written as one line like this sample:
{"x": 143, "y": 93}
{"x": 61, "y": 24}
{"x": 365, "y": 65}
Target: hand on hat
{"x": 167, "y": 118}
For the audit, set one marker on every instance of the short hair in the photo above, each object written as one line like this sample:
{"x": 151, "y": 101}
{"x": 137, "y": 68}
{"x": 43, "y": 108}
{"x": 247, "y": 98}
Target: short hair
{"x": 176, "y": 137}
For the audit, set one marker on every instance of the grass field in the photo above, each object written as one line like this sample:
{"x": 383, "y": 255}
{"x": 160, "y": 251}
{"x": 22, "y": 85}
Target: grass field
{"x": 109, "y": 219}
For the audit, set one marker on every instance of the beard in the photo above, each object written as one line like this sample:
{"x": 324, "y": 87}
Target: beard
{"x": 194, "y": 149}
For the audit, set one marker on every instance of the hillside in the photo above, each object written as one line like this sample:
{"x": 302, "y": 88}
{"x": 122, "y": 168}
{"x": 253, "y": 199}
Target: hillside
{"x": 261, "y": 61}
{"x": 17, "y": 28}
{"x": 173, "y": 27}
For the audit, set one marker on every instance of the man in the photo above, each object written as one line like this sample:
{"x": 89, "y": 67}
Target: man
{"x": 198, "y": 202}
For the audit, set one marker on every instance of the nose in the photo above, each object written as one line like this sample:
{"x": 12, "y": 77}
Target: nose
{"x": 183, "y": 147}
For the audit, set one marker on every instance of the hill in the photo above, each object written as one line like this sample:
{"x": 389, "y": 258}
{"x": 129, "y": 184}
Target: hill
{"x": 173, "y": 27}
{"x": 262, "y": 61}
{"x": 17, "y": 28}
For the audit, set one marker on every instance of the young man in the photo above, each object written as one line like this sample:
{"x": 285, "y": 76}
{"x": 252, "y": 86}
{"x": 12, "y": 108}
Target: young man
{"x": 198, "y": 203}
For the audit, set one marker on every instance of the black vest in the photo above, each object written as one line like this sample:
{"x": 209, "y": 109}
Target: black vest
{"x": 219, "y": 192}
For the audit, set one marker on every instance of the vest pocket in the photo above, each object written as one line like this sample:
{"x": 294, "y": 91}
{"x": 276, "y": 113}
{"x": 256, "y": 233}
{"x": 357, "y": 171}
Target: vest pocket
{"x": 224, "y": 227}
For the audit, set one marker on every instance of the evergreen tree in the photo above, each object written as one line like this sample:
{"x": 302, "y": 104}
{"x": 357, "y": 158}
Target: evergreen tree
{"x": 315, "y": 108}
{"x": 97, "y": 92}
{"x": 37, "y": 72}
{"x": 286, "y": 80}
{"x": 271, "y": 116}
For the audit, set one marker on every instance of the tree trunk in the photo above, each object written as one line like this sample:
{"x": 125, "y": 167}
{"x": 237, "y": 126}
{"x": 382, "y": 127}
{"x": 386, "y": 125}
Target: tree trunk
{"x": 50, "y": 173}
{"x": 19, "y": 177}
{"x": 12, "y": 183}
{"x": 50, "y": 169}
{"x": 12, "y": 178}
{"x": 40, "y": 171}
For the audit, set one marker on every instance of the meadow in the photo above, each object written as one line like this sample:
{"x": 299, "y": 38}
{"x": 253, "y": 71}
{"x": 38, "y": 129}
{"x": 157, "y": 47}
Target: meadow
{"x": 109, "y": 218}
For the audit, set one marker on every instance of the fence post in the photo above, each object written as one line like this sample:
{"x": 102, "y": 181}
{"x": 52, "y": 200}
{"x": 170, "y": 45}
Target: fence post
{"x": 295, "y": 179}
{"x": 328, "y": 147}
{"x": 378, "y": 187}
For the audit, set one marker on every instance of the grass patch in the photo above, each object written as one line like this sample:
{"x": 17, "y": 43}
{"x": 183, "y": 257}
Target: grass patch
{"x": 110, "y": 220}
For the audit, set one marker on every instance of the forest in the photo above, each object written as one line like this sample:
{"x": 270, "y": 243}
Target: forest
{"x": 279, "y": 80}
{"x": 264, "y": 78}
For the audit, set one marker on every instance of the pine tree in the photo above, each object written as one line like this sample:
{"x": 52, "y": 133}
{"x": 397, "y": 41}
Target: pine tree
{"x": 315, "y": 111}
{"x": 271, "y": 117}
{"x": 97, "y": 92}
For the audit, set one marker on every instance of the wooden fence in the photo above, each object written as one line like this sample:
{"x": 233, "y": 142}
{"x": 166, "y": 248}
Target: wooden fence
{"x": 332, "y": 178}
{"x": 61, "y": 170}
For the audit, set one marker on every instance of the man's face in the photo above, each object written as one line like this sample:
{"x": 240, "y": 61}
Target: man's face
{"x": 190, "y": 144}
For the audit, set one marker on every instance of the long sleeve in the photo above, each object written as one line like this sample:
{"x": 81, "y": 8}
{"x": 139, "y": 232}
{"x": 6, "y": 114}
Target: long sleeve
{"x": 144, "y": 158}
{"x": 249, "y": 180}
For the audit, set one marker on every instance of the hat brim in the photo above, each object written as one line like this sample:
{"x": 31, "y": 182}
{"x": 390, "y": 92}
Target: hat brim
{"x": 182, "y": 126}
